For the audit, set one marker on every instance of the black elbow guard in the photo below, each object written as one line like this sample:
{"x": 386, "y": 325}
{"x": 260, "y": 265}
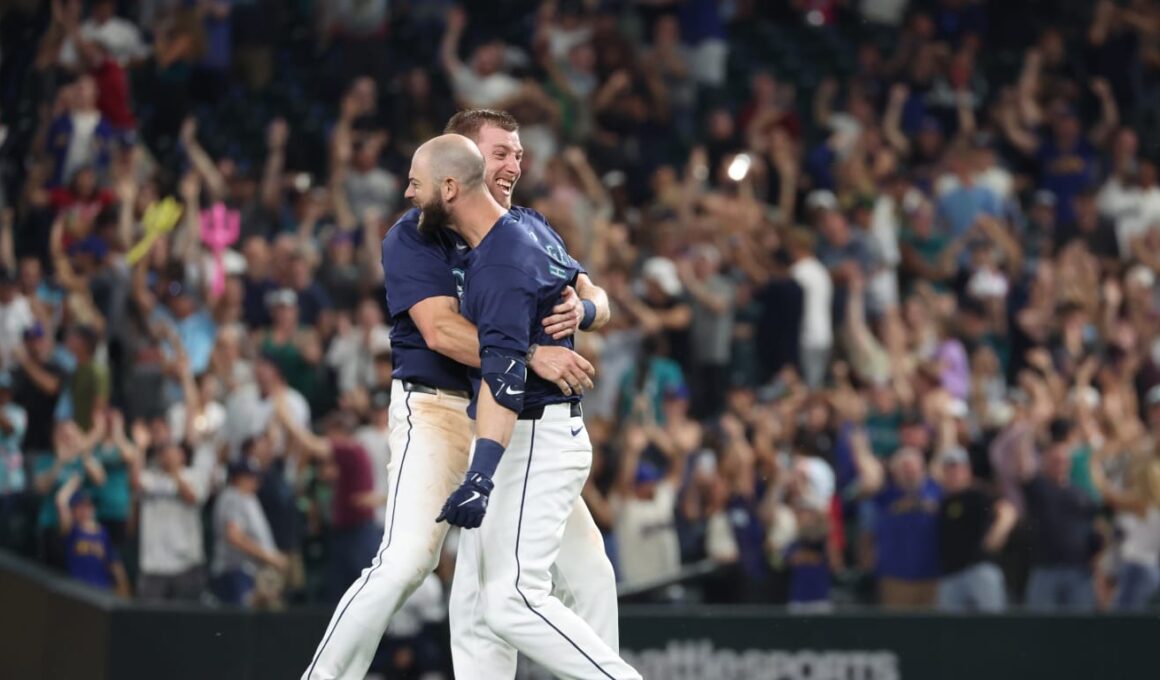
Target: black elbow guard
{"x": 506, "y": 375}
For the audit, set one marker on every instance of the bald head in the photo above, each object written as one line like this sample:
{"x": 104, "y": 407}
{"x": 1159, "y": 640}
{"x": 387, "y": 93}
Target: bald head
{"x": 451, "y": 157}
{"x": 446, "y": 172}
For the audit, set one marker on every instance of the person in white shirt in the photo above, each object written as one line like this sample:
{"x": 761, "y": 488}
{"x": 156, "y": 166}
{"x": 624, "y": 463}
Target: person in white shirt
{"x": 243, "y": 542}
{"x": 817, "y": 332}
{"x": 120, "y": 38}
{"x": 482, "y": 84}
{"x": 13, "y": 481}
{"x": 250, "y": 408}
{"x": 1120, "y": 195}
{"x": 84, "y": 117}
{"x": 369, "y": 188}
{"x": 644, "y": 501}
{"x": 172, "y": 554}
{"x": 15, "y": 316}
{"x": 1136, "y": 207}
{"x": 352, "y": 353}
{"x": 885, "y": 220}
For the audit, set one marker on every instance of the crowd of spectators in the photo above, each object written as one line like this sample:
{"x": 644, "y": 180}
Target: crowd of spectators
{"x": 885, "y": 323}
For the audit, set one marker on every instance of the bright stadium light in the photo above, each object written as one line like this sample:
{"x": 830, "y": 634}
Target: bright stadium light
{"x": 739, "y": 167}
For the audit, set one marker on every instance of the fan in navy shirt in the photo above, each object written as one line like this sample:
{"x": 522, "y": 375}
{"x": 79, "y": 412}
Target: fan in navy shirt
{"x": 809, "y": 574}
{"x": 906, "y": 530}
{"x": 89, "y": 554}
{"x": 1065, "y": 155}
{"x": 1067, "y": 164}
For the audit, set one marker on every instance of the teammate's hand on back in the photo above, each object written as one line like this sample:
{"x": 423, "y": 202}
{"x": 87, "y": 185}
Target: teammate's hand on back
{"x": 566, "y": 316}
{"x": 467, "y": 504}
{"x": 571, "y": 372}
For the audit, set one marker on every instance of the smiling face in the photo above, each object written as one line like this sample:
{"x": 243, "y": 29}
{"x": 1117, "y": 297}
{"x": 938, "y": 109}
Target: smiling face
{"x": 502, "y": 152}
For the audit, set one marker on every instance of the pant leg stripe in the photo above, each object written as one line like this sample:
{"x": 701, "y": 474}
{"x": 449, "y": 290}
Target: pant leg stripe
{"x": 519, "y": 528}
{"x": 390, "y": 534}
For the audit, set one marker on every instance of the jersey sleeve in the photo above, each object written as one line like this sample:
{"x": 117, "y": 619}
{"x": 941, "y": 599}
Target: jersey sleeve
{"x": 566, "y": 256}
{"x": 503, "y": 302}
{"x": 557, "y": 241}
{"x": 413, "y": 271}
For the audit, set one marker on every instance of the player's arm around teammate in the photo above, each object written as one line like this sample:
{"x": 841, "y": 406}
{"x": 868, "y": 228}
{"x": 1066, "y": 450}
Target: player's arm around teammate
{"x": 584, "y": 307}
{"x": 446, "y": 331}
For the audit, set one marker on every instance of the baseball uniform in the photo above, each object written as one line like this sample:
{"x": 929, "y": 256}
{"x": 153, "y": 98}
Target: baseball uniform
{"x": 514, "y": 277}
{"x": 430, "y": 436}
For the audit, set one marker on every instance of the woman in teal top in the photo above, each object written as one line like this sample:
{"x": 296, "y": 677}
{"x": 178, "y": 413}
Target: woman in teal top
{"x": 116, "y": 454}
{"x": 652, "y": 377}
{"x": 927, "y": 254}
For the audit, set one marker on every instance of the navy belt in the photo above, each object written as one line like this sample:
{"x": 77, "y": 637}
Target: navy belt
{"x": 537, "y": 412}
{"x": 411, "y": 386}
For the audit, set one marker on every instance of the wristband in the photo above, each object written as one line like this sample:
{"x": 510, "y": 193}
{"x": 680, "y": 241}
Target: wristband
{"x": 486, "y": 458}
{"x": 589, "y": 314}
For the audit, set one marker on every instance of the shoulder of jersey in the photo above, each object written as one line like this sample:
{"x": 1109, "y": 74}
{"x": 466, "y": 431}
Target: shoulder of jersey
{"x": 406, "y": 225}
{"x": 513, "y": 245}
{"x": 538, "y": 220}
{"x": 521, "y": 211}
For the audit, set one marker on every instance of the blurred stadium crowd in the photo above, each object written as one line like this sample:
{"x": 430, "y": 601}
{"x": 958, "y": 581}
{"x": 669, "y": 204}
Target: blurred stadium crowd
{"x": 883, "y": 274}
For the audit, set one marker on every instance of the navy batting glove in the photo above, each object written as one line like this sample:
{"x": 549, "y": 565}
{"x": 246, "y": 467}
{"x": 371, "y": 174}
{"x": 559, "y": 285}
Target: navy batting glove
{"x": 467, "y": 504}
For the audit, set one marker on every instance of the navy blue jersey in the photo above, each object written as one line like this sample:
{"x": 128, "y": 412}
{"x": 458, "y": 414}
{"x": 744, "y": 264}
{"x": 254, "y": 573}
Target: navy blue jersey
{"x": 515, "y": 276}
{"x": 415, "y": 268}
{"x": 527, "y": 214}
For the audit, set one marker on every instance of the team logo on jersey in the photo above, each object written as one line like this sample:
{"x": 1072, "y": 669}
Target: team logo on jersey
{"x": 560, "y": 261}
{"x": 458, "y": 274}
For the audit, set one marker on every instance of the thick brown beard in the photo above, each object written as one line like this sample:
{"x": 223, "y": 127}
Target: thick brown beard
{"x": 433, "y": 217}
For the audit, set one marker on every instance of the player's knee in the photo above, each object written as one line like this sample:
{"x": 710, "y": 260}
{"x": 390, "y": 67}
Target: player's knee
{"x": 504, "y": 601}
{"x": 410, "y": 564}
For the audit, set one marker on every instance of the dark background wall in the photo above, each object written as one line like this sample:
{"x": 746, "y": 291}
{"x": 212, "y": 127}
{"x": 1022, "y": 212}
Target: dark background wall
{"x": 51, "y": 629}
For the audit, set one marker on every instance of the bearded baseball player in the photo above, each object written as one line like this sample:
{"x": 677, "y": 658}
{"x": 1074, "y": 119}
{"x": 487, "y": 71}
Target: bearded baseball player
{"x": 431, "y": 435}
{"x": 531, "y": 446}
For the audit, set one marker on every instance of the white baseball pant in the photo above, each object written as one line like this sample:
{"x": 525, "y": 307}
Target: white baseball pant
{"x": 430, "y": 440}
{"x": 512, "y": 557}
{"x": 582, "y": 579}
